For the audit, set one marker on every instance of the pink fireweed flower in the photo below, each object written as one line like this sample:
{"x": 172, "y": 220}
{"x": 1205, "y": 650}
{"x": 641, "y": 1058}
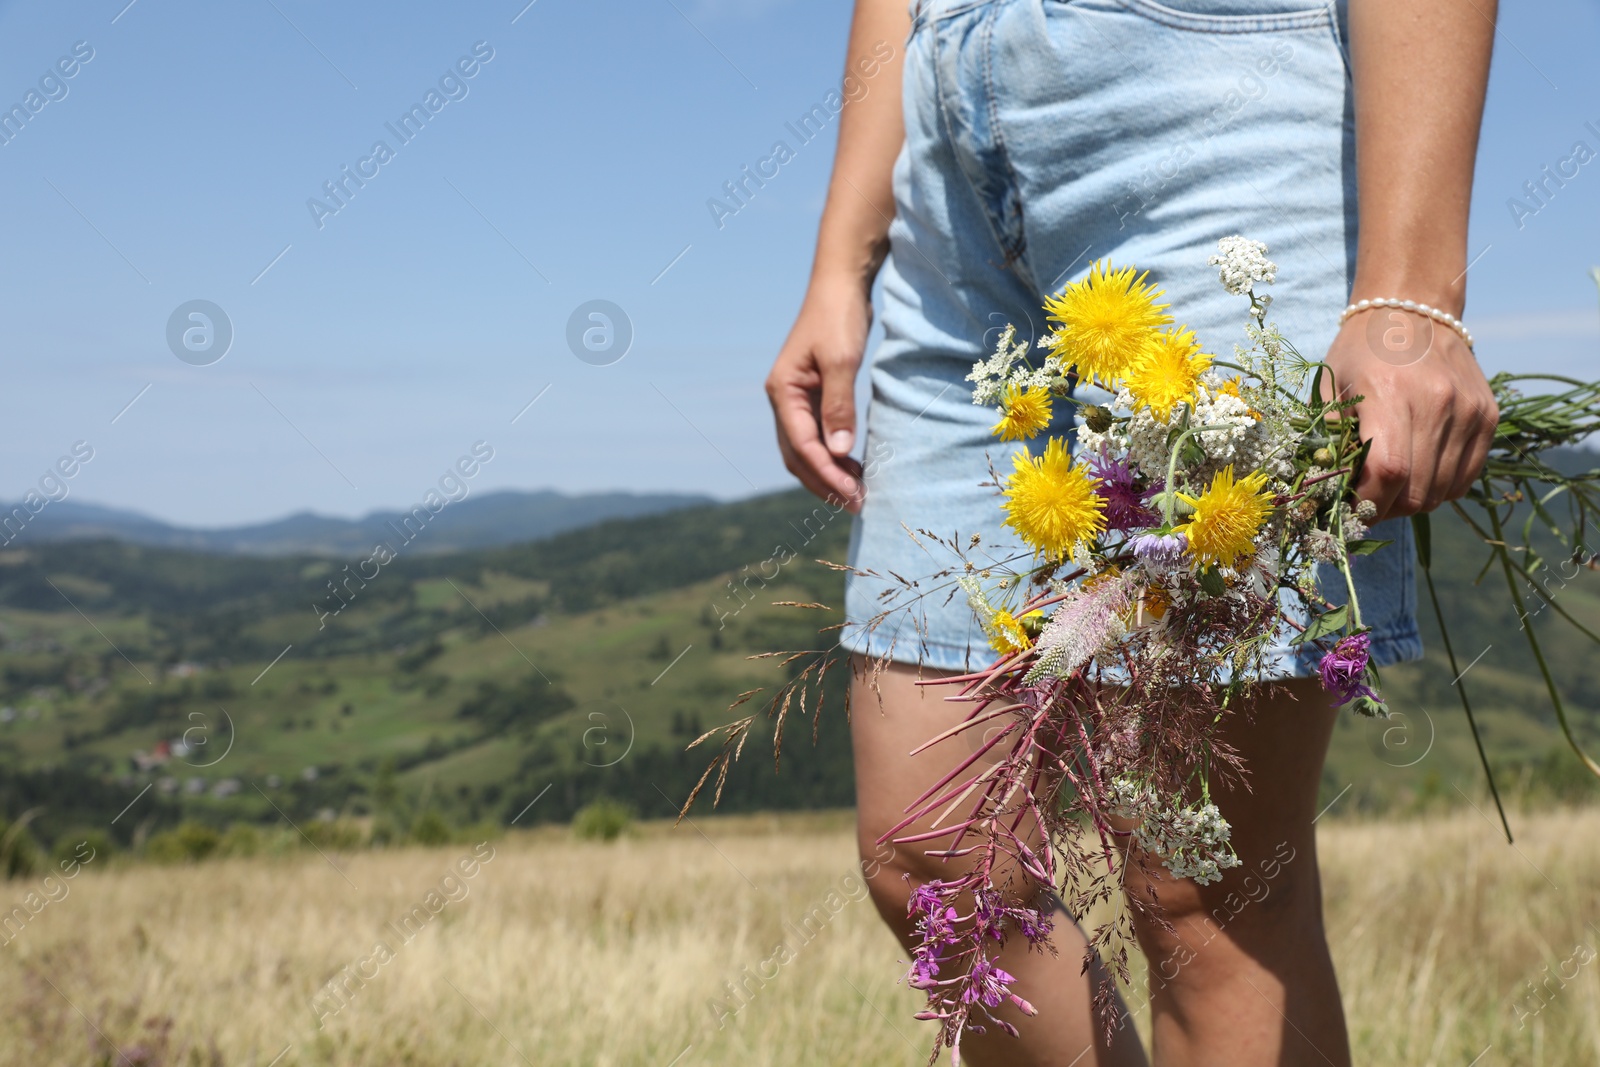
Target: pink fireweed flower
{"x": 938, "y": 926}
{"x": 925, "y": 898}
{"x": 1033, "y": 925}
{"x": 986, "y": 984}
{"x": 1127, "y": 507}
{"x": 924, "y": 967}
{"x": 1344, "y": 668}
{"x": 988, "y": 913}
{"x": 936, "y": 918}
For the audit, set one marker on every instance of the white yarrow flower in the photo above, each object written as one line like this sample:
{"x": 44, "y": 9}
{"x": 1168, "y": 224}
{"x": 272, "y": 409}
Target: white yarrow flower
{"x": 1193, "y": 842}
{"x": 1242, "y": 263}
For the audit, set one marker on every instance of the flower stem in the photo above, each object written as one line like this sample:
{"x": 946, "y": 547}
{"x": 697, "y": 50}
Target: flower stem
{"x": 1337, "y": 522}
{"x": 1168, "y": 494}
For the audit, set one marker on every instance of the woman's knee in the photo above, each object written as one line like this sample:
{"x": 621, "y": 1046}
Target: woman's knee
{"x": 891, "y": 870}
{"x": 1270, "y": 906}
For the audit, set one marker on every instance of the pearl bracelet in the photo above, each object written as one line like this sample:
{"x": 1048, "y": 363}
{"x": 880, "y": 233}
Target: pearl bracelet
{"x": 1444, "y": 318}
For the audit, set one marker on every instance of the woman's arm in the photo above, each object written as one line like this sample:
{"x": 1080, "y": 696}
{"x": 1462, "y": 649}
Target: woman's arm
{"x": 812, "y": 382}
{"x": 1420, "y": 68}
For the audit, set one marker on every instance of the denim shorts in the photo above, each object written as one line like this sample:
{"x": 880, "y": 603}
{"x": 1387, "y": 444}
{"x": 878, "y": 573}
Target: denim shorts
{"x": 1042, "y": 135}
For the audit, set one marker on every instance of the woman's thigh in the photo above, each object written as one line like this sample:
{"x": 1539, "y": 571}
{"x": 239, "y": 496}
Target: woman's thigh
{"x": 890, "y": 717}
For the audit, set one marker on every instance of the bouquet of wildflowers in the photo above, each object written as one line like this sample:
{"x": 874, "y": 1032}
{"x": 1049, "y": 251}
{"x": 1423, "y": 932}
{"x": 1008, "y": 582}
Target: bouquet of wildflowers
{"x": 1172, "y": 563}
{"x": 1175, "y": 559}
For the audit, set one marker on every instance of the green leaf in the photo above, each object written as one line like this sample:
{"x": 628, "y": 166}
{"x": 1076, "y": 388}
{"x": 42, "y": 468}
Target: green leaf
{"x": 1211, "y": 581}
{"x": 1540, "y": 510}
{"x": 1372, "y": 709}
{"x": 1326, "y": 623}
{"x": 1460, "y": 684}
{"x": 1422, "y": 527}
{"x": 1365, "y": 547}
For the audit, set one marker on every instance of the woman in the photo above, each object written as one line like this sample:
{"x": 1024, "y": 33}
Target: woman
{"x": 1031, "y": 138}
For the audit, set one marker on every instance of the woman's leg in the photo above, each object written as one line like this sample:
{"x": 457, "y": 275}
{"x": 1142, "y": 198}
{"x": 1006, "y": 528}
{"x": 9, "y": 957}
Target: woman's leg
{"x": 1244, "y": 978}
{"x": 889, "y": 717}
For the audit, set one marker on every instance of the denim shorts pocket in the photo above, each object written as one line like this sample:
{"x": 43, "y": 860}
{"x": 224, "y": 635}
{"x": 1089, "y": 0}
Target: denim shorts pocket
{"x": 1232, "y": 16}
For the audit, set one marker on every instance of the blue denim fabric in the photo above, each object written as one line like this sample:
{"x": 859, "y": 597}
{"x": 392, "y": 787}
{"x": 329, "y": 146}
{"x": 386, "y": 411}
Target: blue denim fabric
{"x": 1042, "y": 135}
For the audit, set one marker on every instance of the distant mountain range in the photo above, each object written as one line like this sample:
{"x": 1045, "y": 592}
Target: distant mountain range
{"x": 487, "y": 520}
{"x": 480, "y": 521}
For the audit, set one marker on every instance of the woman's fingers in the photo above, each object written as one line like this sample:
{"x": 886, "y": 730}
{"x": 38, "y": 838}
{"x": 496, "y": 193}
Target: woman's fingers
{"x": 795, "y": 405}
{"x": 807, "y": 474}
{"x": 1483, "y": 416}
{"x": 1437, "y": 441}
{"x": 1387, "y": 468}
{"x": 812, "y": 390}
{"x": 839, "y": 405}
{"x": 1471, "y": 467}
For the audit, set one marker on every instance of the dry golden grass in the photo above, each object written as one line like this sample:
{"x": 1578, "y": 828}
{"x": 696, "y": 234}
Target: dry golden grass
{"x": 575, "y": 953}
{"x": 1441, "y": 932}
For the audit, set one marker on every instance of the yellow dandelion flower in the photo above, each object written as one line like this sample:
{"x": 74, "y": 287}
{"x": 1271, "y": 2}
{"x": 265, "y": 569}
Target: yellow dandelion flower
{"x": 1006, "y": 632}
{"x": 1052, "y": 503}
{"x": 1227, "y": 517}
{"x": 1168, "y": 374}
{"x": 1105, "y": 322}
{"x": 1027, "y": 411}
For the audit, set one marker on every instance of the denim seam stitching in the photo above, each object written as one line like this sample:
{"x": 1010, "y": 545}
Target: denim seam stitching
{"x": 961, "y": 162}
{"x": 1013, "y": 248}
{"x": 1339, "y": 40}
{"x": 1309, "y": 18}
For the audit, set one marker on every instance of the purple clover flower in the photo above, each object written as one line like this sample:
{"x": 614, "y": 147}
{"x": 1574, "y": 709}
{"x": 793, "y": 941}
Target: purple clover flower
{"x": 1127, "y": 507}
{"x": 1160, "y": 550}
{"x": 1344, "y": 668}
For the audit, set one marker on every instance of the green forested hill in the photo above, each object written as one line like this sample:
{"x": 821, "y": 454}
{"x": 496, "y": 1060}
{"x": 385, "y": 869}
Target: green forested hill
{"x": 1425, "y": 753}
{"x": 466, "y": 683}
{"x": 477, "y": 683}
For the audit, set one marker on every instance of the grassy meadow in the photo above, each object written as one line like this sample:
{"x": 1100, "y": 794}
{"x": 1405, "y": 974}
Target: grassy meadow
{"x": 1453, "y": 948}
{"x": 143, "y": 688}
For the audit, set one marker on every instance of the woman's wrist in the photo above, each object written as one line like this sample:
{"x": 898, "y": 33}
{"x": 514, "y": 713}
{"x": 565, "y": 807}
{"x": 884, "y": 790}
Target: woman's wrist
{"x": 1435, "y": 287}
{"x": 832, "y": 281}
{"x": 852, "y": 243}
{"x": 1385, "y": 307}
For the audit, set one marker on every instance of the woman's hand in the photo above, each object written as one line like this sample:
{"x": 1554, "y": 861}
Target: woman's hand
{"x": 812, "y": 390}
{"x": 1426, "y": 408}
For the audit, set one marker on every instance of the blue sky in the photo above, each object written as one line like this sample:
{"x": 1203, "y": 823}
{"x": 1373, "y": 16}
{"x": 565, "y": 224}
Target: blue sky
{"x": 573, "y": 165}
